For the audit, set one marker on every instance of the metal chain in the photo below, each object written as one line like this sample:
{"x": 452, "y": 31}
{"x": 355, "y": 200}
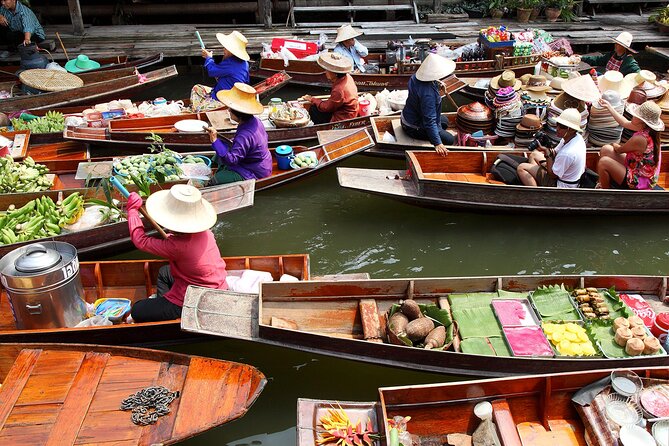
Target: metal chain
{"x": 148, "y": 404}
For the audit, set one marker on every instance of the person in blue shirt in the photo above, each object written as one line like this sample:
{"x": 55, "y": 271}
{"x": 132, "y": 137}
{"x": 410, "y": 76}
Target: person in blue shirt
{"x": 421, "y": 117}
{"x": 232, "y": 69}
{"x": 18, "y": 24}
{"x": 348, "y": 46}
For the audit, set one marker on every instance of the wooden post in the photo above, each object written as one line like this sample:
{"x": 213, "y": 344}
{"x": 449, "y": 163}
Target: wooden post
{"x": 265, "y": 12}
{"x": 77, "y": 18}
{"x": 436, "y": 5}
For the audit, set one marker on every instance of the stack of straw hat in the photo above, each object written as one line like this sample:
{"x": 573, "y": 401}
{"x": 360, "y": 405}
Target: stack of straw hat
{"x": 508, "y": 111}
{"x": 526, "y": 128}
{"x": 506, "y": 79}
{"x": 535, "y": 98}
{"x": 473, "y": 117}
{"x": 562, "y": 102}
{"x": 602, "y": 126}
{"x": 664, "y": 105}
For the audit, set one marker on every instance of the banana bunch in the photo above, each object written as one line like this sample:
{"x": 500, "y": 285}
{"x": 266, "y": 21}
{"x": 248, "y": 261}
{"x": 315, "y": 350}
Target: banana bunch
{"x": 26, "y": 176}
{"x": 51, "y": 122}
{"x": 39, "y": 218}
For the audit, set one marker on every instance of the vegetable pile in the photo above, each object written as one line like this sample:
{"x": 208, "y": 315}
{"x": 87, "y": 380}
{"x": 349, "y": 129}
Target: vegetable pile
{"x": 26, "y": 176}
{"x": 51, "y": 122}
{"x": 39, "y": 218}
{"x": 417, "y": 325}
{"x": 161, "y": 167}
{"x": 305, "y": 160}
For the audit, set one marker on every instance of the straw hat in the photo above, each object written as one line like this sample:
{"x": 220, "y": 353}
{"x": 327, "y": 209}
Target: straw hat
{"x": 235, "y": 42}
{"x": 625, "y": 39}
{"x": 525, "y": 78}
{"x": 434, "y": 68}
{"x": 346, "y": 32}
{"x": 649, "y": 112}
{"x": 537, "y": 83}
{"x": 506, "y": 79}
{"x": 664, "y": 102}
{"x": 556, "y": 85}
{"x": 529, "y": 122}
{"x": 583, "y": 88}
{"x": 241, "y": 98}
{"x": 611, "y": 80}
{"x": 81, "y": 63}
{"x": 570, "y": 118}
{"x": 335, "y": 62}
{"x": 181, "y": 209}
{"x": 612, "y": 97}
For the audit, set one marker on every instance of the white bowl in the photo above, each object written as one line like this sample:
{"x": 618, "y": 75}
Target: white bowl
{"x": 661, "y": 433}
{"x": 636, "y": 436}
{"x": 191, "y": 125}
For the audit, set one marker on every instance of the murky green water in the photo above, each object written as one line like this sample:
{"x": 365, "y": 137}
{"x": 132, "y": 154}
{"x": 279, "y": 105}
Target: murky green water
{"x": 346, "y": 231}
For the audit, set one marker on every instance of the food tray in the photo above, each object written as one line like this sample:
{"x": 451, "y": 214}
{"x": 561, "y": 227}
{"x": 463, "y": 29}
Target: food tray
{"x": 608, "y": 299}
{"x": 530, "y": 317}
{"x": 593, "y": 327}
{"x": 544, "y": 347}
{"x": 598, "y": 353}
{"x": 578, "y": 316}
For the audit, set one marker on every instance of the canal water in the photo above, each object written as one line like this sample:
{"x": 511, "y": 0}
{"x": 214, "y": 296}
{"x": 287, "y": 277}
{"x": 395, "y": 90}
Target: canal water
{"x": 345, "y": 231}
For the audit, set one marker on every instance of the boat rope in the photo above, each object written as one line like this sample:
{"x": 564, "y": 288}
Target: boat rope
{"x": 148, "y": 404}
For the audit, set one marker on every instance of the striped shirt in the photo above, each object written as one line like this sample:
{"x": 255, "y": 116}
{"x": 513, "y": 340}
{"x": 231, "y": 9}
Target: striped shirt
{"x": 23, "y": 20}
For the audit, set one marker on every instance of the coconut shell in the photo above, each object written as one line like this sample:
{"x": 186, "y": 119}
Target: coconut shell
{"x": 411, "y": 309}
{"x": 398, "y": 323}
{"x": 418, "y": 329}
{"x": 435, "y": 338}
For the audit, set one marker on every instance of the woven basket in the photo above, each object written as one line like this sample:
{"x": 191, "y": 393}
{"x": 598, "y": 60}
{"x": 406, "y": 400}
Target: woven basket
{"x": 285, "y": 123}
{"x": 50, "y": 80}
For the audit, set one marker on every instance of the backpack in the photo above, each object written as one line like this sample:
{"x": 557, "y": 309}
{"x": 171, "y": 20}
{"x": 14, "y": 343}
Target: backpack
{"x": 504, "y": 168}
{"x": 588, "y": 179}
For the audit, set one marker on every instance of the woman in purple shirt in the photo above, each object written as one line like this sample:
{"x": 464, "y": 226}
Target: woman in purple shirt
{"x": 247, "y": 156}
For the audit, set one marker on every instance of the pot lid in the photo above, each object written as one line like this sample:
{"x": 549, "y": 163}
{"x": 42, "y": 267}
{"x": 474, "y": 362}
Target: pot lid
{"x": 284, "y": 150}
{"x": 37, "y": 258}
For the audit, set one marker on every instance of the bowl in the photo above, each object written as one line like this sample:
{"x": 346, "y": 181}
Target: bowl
{"x": 655, "y": 401}
{"x": 207, "y": 160}
{"x": 621, "y": 410}
{"x": 636, "y": 436}
{"x": 661, "y": 433}
{"x": 626, "y": 382}
{"x": 191, "y": 126}
{"x": 309, "y": 154}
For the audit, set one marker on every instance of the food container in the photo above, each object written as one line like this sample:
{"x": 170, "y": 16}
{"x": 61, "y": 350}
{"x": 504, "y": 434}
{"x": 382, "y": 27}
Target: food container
{"x": 661, "y": 432}
{"x": 274, "y": 105}
{"x": 660, "y": 327}
{"x": 284, "y": 155}
{"x": 43, "y": 285}
{"x": 565, "y": 341}
{"x": 514, "y": 312}
{"x": 626, "y": 382}
{"x": 621, "y": 410}
{"x": 363, "y": 107}
{"x": 527, "y": 341}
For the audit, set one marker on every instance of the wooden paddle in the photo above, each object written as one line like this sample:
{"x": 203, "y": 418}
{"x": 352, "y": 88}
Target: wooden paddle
{"x": 117, "y": 184}
{"x": 62, "y": 46}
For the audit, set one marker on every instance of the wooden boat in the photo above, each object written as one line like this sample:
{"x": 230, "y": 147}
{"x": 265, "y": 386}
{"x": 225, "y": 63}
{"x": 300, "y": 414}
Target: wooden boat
{"x": 8, "y": 72}
{"x": 308, "y": 72}
{"x": 57, "y": 152}
{"x": 462, "y": 181}
{"x": 20, "y": 142}
{"x": 98, "y": 86}
{"x": 135, "y": 280}
{"x": 71, "y": 394}
{"x": 347, "y": 319}
{"x": 530, "y": 410}
{"x": 114, "y": 236}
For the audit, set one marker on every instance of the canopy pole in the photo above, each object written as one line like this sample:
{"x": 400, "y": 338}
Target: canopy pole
{"x": 77, "y": 18}
{"x": 265, "y": 12}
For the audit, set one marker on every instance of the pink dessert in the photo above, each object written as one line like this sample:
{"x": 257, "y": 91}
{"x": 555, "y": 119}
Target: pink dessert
{"x": 656, "y": 401}
{"x": 527, "y": 341}
{"x": 513, "y": 312}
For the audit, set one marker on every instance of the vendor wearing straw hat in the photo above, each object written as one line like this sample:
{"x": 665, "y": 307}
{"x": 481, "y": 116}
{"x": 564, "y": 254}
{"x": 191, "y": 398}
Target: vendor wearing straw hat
{"x": 348, "y": 46}
{"x": 233, "y": 68}
{"x": 636, "y": 163}
{"x": 343, "y": 101}
{"x": 421, "y": 117}
{"x": 562, "y": 166}
{"x": 247, "y": 156}
{"x": 190, "y": 248}
{"x": 620, "y": 59}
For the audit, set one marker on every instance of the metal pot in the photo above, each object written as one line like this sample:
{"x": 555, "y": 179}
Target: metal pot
{"x": 43, "y": 285}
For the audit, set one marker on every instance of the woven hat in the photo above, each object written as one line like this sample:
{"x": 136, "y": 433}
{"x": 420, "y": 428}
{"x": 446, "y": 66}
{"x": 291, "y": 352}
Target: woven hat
{"x": 612, "y": 97}
{"x": 241, "y": 98}
{"x": 556, "y": 85}
{"x": 335, "y": 62}
{"x": 50, "y": 80}
{"x": 582, "y": 88}
{"x": 664, "y": 102}
{"x": 81, "y": 63}
{"x": 525, "y": 78}
{"x": 506, "y": 79}
{"x": 434, "y": 68}
{"x": 530, "y": 122}
{"x": 537, "y": 83}
{"x": 346, "y": 32}
{"x": 570, "y": 118}
{"x": 181, "y": 209}
{"x": 625, "y": 39}
{"x": 235, "y": 42}
{"x": 649, "y": 112}
{"x": 611, "y": 80}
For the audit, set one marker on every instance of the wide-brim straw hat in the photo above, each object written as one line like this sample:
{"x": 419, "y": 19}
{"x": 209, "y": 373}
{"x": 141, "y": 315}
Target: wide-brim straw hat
{"x": 346, "y": 32}
{"x": 612, "y": 97}
{"x": 537, "y": 83}
{"x": 434, "y": 68}
{"x": 625, "y": 39}
{"x": 650, "y": 113}
{"x": 530, "y": 123}
{"x": 556, "y": 85}
{"x": 235, "y": 42}
{"x": 570, "y": 118}
{"x": 335, "y": 63}
{"x": 241, "y": 98}
{"x": 81, "y": 63}
{"x": 582, "y": 88}
{"x": 181, "y": 209}
{"x": 564, "y": 101}
{"x": 506, "y": 79}
{"x": 664, "y": 102}
{"x": 611, "y": 80}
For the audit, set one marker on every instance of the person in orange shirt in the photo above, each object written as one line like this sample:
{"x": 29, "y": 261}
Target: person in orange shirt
{"x": 343, "y": 101}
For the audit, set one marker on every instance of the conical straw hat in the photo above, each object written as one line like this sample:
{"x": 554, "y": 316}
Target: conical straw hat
{"x": 625, "y": 39}
{"x": 434, "y": 68}
{"x": 335, "y": 62}
{"x": 346, "y": 32}
{"x": 241, "y": 98}
{"x": 582, "y": 88}
{"x": 235, "y": 42}
{"x": 181, "y": 209}
{"x": 664, "y": 102}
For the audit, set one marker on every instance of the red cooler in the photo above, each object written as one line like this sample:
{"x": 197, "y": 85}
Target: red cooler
{"x": 660, "y": 327}
{"x": 300, "y": 48}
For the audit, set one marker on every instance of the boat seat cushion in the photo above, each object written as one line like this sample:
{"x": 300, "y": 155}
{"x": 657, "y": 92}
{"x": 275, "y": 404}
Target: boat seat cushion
{"x": 404, "y": 139}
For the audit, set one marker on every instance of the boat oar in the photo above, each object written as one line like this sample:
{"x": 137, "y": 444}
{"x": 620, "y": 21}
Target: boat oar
{"x": 62, "y": 46}
{"x": 117, "y": 184}
{"x": 197, "y": 34}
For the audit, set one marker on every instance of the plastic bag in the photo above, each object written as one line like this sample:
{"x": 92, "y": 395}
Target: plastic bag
{"x": 322, "y": 40}
{"x": 93, "y": 216}
{"x": 95, "y": 321}
{"x": 266, "y": 52}
{"x": 286, "y": 56}
{"x": 250, "y": 281}
{"x": 54, "y": 66}
{"x": 75, "y": 121}
{"x": 288, "y": 278}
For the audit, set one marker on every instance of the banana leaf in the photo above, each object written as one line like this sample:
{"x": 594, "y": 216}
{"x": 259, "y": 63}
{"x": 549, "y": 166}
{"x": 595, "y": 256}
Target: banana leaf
{"x": 602, "y": 332}
{"x": 470, "y": 300}
{"x": 617, "y": 308}
{"x": 492, "y": 346}
{"x": 553, "y": 302}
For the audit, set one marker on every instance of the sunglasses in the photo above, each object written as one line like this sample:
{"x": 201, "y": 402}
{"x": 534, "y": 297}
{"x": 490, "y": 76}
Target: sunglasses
{"x": 561, "y": 126}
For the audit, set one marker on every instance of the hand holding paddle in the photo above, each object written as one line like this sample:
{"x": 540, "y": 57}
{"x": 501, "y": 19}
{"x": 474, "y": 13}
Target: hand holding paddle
{"x": 137, "y": 204}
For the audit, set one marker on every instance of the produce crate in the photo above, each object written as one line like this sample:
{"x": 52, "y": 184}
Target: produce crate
{"x": 516, "y": 61}
{"x": 493, "y": 49}
{"x": 475, "y": 65}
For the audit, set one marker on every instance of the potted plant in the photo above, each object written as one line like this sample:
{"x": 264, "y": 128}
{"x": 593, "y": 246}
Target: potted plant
{"x": 496, "y": 8}
{"x": 661, "y": 17}
{"x": 536, "y": 9}
{"x": 524, "y": 9}
{"x": 556, "y": 8}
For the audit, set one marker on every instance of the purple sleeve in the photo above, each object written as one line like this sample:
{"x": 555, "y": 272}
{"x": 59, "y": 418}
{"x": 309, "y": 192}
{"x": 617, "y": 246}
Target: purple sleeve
{"x": 220, "y": 147}
{"x": 158, "y": 246}
{"x": 233, "y": 155}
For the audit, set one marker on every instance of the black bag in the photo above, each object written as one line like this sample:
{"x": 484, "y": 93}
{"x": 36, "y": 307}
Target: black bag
{"x": 505, "y": 167}
{"x": 589, "y": 179}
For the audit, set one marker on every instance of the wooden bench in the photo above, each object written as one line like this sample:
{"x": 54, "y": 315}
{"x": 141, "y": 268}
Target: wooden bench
{"x": 351, "y": 9}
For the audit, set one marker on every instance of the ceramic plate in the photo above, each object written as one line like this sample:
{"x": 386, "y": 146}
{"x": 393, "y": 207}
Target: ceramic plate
{"x": 190, "y": 125}
{"x": 661, "y": 433}
{"x": 636, "y": 436}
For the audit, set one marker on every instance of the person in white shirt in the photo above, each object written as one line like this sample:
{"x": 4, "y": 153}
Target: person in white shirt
{"x": 348, "y": 46}
{"x": 563, "y": 165}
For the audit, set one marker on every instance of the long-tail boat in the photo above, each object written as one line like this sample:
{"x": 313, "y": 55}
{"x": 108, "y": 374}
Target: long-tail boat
{"x": 135, "y": 280}
{"x": 308, "y": 72}
{"x": 530, "y": 410}
{"x": 98, "y": 87}
{"x": 72, "y": 394}
{"x": 462, "y": 180}
{"x": 348, "y": 320}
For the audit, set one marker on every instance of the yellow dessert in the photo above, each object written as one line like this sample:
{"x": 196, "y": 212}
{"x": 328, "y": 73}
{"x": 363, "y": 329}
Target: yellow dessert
{"x": 569, "y": 339}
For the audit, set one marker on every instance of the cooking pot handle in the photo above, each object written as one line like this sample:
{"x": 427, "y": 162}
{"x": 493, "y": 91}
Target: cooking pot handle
{"x": 35, "y": 248}
{"x": 34, "y": 309}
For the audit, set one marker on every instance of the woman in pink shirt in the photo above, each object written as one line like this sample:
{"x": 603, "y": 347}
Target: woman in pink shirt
{"x": 194, "y": 258}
